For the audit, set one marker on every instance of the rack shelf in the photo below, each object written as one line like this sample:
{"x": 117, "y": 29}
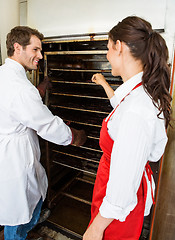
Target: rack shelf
{"x": 80, "y": 70}
{"x": 77, "y": 109}
{"x": 91, "y": 52}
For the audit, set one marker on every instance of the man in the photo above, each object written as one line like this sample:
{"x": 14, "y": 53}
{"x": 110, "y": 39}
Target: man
{"x": 23, "y": 115}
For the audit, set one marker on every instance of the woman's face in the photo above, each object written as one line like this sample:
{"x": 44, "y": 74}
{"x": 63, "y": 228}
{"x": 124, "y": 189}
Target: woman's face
{"x": 112, "y": 56}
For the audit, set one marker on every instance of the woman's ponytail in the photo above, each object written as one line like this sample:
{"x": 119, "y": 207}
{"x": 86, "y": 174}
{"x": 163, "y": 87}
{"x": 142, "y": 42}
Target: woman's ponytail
{"x": 156, "y": 74}
{"x": 150, "y": 48}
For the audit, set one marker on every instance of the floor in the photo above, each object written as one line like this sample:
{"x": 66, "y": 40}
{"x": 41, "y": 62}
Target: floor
{"x": 49, "y": 233}
{"x": 43, "y": 231}
{"x": 64, "y": 215}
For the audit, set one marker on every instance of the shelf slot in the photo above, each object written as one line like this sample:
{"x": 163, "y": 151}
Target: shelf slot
{"x": 81, "y": 123}
{"x": 75, "y": 156}
{"x": 92, "y": 52}
{"x": 81, "y": 83}
{"x": 81, "y": 96}
{"x": 76, "y": 198}
{"x": 75, "y": 168}
{"x": 78, "y": 109}
{"x": 80, "y": 70}
{"x": 84, "y": 180}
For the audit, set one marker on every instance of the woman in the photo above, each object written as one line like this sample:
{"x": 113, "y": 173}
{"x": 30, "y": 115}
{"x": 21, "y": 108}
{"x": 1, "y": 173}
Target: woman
{"x": 133, "y": 133}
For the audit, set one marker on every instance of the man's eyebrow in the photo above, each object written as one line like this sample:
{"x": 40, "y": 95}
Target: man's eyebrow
{"x": 38, "y": 48}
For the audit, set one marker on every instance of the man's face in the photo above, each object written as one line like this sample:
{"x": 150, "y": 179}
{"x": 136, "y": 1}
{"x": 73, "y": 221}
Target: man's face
{"x": 31, "y": 54}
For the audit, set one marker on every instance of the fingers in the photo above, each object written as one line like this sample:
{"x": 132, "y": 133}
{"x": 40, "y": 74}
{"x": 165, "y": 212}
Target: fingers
{"x": 94, "y": 78}
{"x": 98, "y": 78}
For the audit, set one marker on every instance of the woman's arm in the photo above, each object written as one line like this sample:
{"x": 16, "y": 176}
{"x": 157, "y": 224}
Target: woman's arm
{"x": 99, "y": 79}
{"x": 96, "y": 229}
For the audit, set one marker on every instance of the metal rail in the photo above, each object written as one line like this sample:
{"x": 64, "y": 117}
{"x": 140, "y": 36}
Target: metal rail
{"x": 75, "y": 168}
{"x": 72, "y": 155}
{"x": 78, "y": 109}
{"x": 91, "y": 52}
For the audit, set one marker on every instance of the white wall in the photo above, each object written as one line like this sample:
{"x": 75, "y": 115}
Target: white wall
{"x": 23, "y": 12}
{"x": 64, "y": 17}
{"x": 9, "y": 18}
{"x": 60, "y": 17}
{"x": 169, "y": 34}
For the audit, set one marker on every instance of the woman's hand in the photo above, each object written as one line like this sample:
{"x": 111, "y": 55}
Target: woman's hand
{"x": 92, "y": 233}
{"x": 97, "y": 227}
{"x": 99, "y": 79}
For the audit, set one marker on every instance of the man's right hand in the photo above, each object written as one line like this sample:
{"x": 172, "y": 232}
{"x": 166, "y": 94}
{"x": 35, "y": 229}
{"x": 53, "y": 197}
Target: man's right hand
{"x": 45, "y": 84}
{"x": 78, "y": 137}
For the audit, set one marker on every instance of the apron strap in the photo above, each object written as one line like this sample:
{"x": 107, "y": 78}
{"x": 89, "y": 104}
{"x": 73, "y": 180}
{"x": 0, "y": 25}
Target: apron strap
{"x": 138, "y": 85}
{"x": 149, "y": 174}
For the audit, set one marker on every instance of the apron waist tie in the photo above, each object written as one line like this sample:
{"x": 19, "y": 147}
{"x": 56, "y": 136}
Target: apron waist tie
{"x": 149, "y": 174}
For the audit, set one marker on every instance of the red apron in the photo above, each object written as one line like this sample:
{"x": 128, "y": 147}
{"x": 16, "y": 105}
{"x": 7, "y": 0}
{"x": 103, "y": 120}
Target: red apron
{"x": 131, "y": 228}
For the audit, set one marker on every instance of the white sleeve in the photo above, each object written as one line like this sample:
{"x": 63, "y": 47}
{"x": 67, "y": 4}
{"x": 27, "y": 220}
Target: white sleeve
{"x": 129, "y": 156}
{"x": 113, "y": 101}
{"x": 28, "y": 109}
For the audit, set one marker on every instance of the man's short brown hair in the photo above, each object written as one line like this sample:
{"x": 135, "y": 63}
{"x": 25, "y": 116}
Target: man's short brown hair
{"x": 21, "y": 35}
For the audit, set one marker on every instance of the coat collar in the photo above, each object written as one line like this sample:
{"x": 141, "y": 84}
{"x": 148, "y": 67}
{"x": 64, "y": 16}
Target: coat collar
{"x": 127, "y": 86}
{"x": 15, "y": 66}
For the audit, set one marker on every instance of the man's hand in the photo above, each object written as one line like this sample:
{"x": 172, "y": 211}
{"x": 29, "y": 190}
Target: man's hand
{"x": 45, "y": 84}
{"x": 78, "y": 137}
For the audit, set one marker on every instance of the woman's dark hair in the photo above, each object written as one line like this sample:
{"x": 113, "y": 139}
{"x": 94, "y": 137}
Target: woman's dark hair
{"x": 21, "y": 35}
{"x": 149, "y": 47}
